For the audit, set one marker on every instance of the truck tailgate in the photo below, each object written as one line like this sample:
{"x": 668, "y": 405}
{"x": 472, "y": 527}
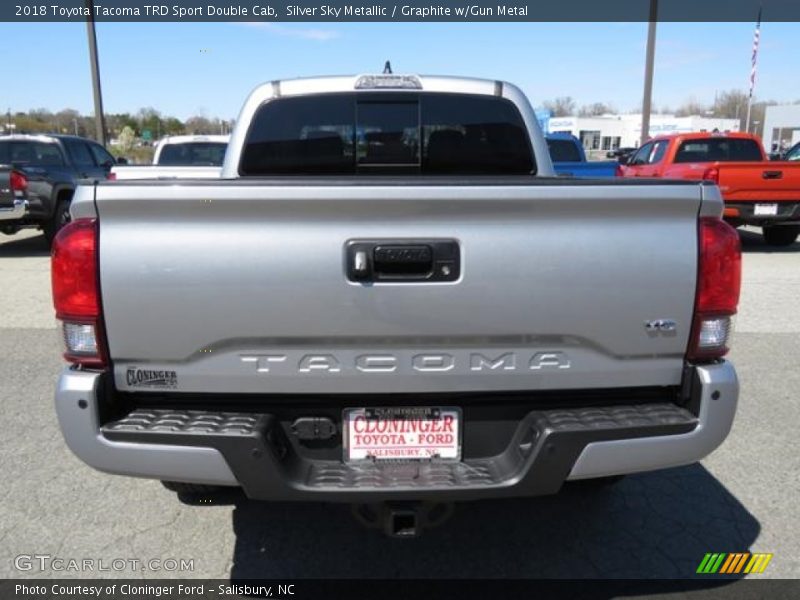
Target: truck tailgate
{"x": 766, "y": 181}
{"x": 234, "y": 287}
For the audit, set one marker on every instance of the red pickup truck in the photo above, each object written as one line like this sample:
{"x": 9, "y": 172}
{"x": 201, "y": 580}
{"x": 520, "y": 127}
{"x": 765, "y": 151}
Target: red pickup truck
{"x": 756, "y": 191}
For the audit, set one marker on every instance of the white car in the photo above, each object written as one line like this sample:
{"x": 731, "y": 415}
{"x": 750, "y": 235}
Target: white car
{"x": 191, "y": 150}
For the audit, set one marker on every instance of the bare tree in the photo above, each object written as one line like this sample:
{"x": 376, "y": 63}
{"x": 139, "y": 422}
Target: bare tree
{"x": 596, "y": 109}
{"x": 563, "y": 106}
{"x": 691, "y": 107}
{"x": 200, "y": 124}
{"x": 731, "y": 105}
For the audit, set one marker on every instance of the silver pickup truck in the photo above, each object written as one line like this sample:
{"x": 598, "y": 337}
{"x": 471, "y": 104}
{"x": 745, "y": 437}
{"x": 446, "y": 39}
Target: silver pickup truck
{"x": 389, "y": 298}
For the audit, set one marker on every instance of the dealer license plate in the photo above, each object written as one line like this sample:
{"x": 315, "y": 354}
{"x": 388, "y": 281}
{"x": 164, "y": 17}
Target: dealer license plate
{"x": 766, "y": 209}
{"x": 402, "y": 433}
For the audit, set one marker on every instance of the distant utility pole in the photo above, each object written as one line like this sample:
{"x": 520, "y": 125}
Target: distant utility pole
{"x": 648, "y": 71}
{"x": 99, "y": 119}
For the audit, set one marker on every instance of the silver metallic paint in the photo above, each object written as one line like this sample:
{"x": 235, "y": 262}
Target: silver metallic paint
{"x": 601, "y": 459}
{"x": 81, "y": 431}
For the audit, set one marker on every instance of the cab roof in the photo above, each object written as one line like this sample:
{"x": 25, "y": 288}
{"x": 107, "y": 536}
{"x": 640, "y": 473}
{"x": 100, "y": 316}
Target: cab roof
{"x": 702, "y": 135}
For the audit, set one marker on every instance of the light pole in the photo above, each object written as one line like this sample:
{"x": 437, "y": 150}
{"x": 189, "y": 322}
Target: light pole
{"x": 648, "y": 71}
{"x": 10, "y": 125}
{"x": 99, "y": 119}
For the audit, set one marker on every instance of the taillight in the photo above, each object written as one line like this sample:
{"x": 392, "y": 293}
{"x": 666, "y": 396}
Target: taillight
{"x": 76, "y": 292}
{"x": 618, "y": 171}
{"x": 711, "y": 174}
{"x": 18, "y": 183}
{"x": 112, "y": 177}
{"x": 719, "y": 279}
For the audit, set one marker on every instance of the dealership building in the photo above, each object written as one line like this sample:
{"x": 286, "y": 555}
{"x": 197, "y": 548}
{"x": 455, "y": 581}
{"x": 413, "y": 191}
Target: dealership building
{"x": 609, "y": 132}
{"x": 781, "y": 126}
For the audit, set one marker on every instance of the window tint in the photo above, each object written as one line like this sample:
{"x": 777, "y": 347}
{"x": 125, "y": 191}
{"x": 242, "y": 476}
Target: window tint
{"x": 79, "y": 153}
{"x": 388, "y": 134}
{"x": 347, "y": 134}
{"x": 793, "y": 153}
{"x": 718, "y": 149}
{"x": 474, "y": 135}
{"x": 101, "y": 155}
{"x": 30, "y": 153}
{"x": 659, "y": 149}
{"x": 193, "y": 153}
{"x": 302, "y": 136}
{"x": 641, "y": 155}
{"x": 563, "y": 151}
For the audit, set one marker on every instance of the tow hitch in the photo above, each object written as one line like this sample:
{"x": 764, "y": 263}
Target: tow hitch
{"x": 402, "y": 519}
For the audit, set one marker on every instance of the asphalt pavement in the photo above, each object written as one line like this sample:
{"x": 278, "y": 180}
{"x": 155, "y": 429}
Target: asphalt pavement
{"x": 744, "y": 497}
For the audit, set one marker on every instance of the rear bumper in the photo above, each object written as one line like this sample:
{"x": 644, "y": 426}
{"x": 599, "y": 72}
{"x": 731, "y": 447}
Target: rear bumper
{"x": 250, "y": 449}
{"x": 744, "y": 212}
{"x": 18, "y": 210}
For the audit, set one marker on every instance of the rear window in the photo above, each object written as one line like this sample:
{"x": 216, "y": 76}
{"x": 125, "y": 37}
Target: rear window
{"x": 563, "y": 151}
{"x": 38, "y": 154}
{"x": 718, "y": 149}
{"x": 193, "y": 154}
{"x": 349, "y": 134}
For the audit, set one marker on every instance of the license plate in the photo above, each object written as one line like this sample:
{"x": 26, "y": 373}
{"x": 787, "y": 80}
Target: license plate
{"x": 402, "y": 433}
{"x": 766, "y": 209}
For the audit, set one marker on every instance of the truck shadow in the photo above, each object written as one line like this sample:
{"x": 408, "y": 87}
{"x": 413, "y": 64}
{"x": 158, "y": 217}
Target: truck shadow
{"x": 657, "y": 525}
{"x": 13, "y": 247}
{"x": 753, "y": 243}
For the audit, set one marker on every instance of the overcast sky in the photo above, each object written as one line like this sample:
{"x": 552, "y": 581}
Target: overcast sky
{"x": 184, "y": 69}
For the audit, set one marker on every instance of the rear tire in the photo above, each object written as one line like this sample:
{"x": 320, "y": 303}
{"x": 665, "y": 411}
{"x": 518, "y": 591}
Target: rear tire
{"x": 780, "y": 235}
{"x": 60, "y": 218}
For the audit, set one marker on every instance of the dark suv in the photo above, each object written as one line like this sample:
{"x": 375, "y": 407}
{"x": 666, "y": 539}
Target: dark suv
{"x": 47, "y": 170}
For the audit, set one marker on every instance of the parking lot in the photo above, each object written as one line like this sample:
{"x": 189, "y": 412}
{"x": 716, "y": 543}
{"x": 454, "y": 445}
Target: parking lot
{"x": 743, "y": 497}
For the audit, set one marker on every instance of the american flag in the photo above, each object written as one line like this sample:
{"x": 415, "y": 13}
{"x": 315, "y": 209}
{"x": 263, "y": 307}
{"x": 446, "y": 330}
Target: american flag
{"x": 754, "y": 61}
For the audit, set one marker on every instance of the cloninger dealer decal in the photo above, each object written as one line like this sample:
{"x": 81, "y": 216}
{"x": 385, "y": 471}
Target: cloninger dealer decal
{"x": 136, "y": 377}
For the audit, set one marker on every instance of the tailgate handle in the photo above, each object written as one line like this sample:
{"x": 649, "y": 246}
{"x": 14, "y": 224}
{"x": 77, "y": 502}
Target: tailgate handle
{"x": 398, "y": 261}
{"x": 402, "y": 261}
{"x": 772, "y": 174}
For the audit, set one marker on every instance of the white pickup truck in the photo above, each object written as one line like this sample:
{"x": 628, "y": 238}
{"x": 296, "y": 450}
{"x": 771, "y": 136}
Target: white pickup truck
{"x": 180, "y": 156}
{"x": 389, "y": 298}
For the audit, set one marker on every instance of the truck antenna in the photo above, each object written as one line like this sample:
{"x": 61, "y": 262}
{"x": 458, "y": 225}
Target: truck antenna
{"x": 387, "y": 68}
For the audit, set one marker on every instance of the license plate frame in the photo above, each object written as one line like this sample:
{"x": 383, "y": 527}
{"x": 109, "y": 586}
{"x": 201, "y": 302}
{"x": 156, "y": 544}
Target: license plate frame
{"x": 433, "y": 419}
{"x": 763, "y": 209}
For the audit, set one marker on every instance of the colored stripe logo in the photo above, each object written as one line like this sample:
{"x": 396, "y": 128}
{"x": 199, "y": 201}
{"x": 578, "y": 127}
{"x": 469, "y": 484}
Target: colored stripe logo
{"x": 723, "y": 563}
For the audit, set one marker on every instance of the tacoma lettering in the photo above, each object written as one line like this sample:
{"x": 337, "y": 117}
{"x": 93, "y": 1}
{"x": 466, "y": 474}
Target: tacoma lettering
{"x": 475, "y": 362}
